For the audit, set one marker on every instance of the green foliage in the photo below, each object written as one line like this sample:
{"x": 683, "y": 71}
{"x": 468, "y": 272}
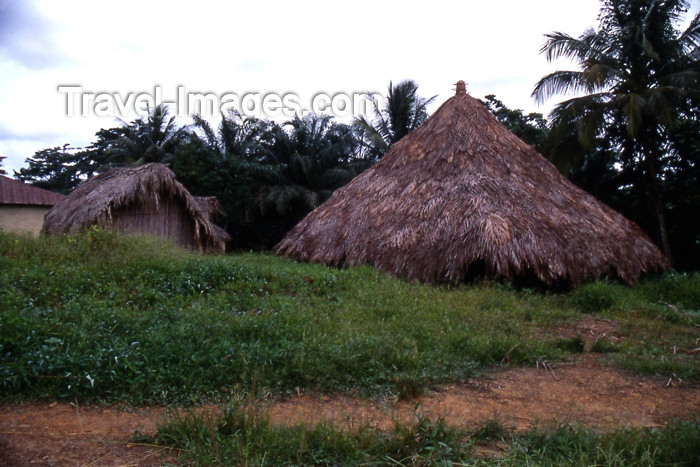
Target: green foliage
{"x": 265, "y": 175}
{"x": 531, "y": 128}
{"x": 61, "y": 168}
{"x": 205, "y": 173}
{"x": 403, "y": 111}
{"x": 240, "y": 436}
{"x": 101, "y": 316}
{"x": 268, "y": 176}
{"x": 605, "y": 346}
{"x": 675, "y": 444}
{"x": 572, "y": 344}
{"x": 660, "y": 360}
{"x": 312, "y": 156}
{"x": 639, "y": 81}
{"x": 681, "y": 289}
{"x": 152, "y": 138}
{"x": 595, "y": 297}
{"x": 492, "y": 430}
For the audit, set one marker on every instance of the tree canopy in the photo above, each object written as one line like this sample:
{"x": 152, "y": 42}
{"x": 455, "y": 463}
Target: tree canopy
{"x": 638, "y": 80}
{"x": 531, "y": 128}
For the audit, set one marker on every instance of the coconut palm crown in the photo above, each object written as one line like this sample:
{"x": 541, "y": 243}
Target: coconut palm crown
{"x": 637, "y": 75}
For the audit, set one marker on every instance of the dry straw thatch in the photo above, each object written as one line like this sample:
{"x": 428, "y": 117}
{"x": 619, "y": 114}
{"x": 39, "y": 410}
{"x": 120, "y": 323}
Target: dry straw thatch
{"x": 144, "y": 199}
{"x": 462, "y": 195}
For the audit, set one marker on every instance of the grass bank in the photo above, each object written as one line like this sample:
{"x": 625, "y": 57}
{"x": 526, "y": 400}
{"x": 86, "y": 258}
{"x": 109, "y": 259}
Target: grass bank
{"x": 102, "y": 317}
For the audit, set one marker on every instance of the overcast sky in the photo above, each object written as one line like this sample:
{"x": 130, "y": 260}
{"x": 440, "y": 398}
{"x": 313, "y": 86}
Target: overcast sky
{"x": 300, "y": 47}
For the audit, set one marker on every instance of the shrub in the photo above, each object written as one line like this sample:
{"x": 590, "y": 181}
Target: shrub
{"x": 594, "y": 297}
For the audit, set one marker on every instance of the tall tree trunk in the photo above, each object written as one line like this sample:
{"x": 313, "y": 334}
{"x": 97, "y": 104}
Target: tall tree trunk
{"x": 658, "y": 205}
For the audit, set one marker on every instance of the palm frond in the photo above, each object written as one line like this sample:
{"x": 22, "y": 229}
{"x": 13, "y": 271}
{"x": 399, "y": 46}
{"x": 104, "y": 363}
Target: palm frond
{"x": 589, "y": 46}
{"x": 599, "y": 76}
{"x": 685, "y": 80}
{"x": 265, "y": 174}
{"x": 657, "y": 104}
{"x": 562, "y": 82}
{"x": 690, "y": 38}
{"x": 634, "y": 110}
{"x": 205, "y": 128}
{"x": 585, "y": 113}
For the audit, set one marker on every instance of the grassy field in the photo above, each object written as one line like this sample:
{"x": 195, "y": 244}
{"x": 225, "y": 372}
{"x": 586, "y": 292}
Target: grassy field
{"x": 98, "y": 317}
{"x": 101, "y": 317}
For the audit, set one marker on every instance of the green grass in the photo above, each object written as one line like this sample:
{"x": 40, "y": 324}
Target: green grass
{"x": 101, "y": 317}
{"x": 236, "y": 436}
{"x": 660, "y": 320}
{"x": 239, "y": 437}
{"x": 677, "y": 443}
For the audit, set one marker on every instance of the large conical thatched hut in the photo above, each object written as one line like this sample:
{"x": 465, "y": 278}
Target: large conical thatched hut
{"x": 462, "y": 195}
{"x": 145, "y": 199}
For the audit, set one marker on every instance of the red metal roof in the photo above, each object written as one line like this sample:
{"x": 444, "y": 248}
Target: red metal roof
{"x": 14, "y": 192}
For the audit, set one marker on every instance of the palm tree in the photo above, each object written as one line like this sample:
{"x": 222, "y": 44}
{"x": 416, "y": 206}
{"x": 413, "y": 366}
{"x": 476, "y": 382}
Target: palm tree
{"x": 637, "y": 76}
{"x": 248, "y": 138}
{"x": 312, "y": 157}
{"x": 404, "y": 112}
{"x": 150, "y": 139}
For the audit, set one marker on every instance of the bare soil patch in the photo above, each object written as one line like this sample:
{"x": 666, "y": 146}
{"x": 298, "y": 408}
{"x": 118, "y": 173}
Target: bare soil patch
{"x": 585, "y": 391}
{"x": 61, "y": 434}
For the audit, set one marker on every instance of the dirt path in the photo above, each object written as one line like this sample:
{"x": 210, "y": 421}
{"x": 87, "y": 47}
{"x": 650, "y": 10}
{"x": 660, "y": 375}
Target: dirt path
{"x": 585, "y": 391}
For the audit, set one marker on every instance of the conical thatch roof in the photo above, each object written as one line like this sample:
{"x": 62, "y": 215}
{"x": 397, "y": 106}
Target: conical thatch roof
{"x": 461, "y": 194}
{"x": 103, "y": 197}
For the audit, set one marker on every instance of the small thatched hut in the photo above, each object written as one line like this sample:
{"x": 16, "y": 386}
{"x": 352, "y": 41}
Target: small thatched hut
{"x": 462, "y": 195}
{"x": 145, "y": 199}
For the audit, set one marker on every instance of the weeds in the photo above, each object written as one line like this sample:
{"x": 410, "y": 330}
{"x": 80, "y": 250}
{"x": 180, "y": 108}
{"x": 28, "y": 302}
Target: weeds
{"x": 240, "y": 436}
{"x": 595, "y": 297}
{"x": 605, "y": 346}
{"x": 245, "y": 436}
{"x": 675, "y": 444}
{"x": 573, "y": 344}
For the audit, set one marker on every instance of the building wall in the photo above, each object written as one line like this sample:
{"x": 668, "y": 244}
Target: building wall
{"x": 22, "y": 219}
{"x": 165, "y": 218}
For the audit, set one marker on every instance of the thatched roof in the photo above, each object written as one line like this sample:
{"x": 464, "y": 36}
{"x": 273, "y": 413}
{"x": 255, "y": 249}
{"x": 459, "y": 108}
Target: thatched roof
{"x": 209, "y": 205}
{"x": 18, "y": 193}
{"x": 94, "y": 201}
{"x": 462, "y": 193}
{"x": 212, "y": 208}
